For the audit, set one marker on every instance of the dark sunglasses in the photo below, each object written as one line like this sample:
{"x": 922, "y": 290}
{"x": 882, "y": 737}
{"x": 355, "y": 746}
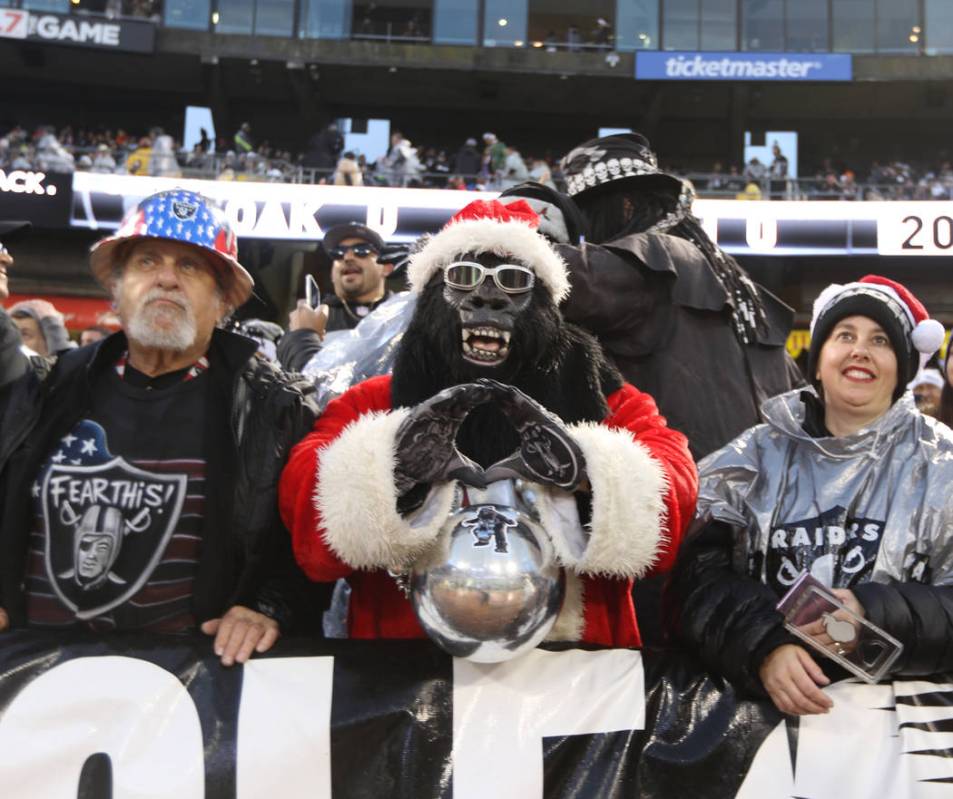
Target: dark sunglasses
{"x": 466, "y": 276}
{"x": 359, "y": 250}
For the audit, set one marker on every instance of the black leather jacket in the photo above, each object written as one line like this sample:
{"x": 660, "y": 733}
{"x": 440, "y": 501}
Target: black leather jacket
{"x": 246, "y": 556}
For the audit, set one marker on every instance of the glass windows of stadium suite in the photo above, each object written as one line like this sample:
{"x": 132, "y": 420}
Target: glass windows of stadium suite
{"x": 636, "y": 25}
{"x": 455, "y": 22}
{"x": 938, "y": 27}
{"x": 883, "y": 26}
{"x": 504, "y": 23}
{"x": 762, "y": 25}
{"x": 806, "y": 26}
{"x": 699, "y": 24}
{"x": 187, "y": 14}
{"x": 392, "y": 20}
{"x": 576, "y": 27}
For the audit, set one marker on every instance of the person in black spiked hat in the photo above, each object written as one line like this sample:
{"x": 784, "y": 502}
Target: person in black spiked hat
{"x": 678, "y": 317}
{"x": 676, "y": 314}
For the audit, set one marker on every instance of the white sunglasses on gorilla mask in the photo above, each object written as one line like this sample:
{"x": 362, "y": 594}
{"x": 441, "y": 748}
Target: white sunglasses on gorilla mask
{"x": 467, "y": 275}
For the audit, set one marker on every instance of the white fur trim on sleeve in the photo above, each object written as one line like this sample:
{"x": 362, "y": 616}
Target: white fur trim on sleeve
{"x": 627, "y": 529}
{"x": 477, "y": 236}
{"x": 571, "y": 621}
{"x": 357, "y": 498}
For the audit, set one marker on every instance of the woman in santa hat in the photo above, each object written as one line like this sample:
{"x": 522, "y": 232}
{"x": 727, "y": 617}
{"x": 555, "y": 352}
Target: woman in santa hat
{"x": 846, "y": 480}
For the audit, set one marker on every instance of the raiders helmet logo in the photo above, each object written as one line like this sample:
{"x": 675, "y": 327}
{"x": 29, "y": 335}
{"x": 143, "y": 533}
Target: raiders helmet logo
{"x": 107, "y": 526}
{"x": 487, "y": 522}
{"x": 184, "y": 210}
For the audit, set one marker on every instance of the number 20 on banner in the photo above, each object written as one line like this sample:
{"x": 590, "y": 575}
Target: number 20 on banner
{"x": 924, "y": 229}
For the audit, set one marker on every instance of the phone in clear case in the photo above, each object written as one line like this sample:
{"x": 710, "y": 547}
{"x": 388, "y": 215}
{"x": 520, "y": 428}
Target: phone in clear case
{"x": 821, "y": 620}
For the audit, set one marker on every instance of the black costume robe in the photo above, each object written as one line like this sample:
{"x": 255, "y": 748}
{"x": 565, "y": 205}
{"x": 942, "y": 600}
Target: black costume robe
{"x": 663, "y": 317}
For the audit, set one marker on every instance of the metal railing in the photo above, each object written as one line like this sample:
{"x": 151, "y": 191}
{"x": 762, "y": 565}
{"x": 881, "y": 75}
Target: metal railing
{"x": 714, "y": 185}
{"x": 722, "y": 186}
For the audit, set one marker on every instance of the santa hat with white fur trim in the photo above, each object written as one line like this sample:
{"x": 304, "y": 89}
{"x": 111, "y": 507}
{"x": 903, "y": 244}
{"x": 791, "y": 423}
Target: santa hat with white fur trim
{"x": 893, "y": 306}
{"x": 507, "y": 230}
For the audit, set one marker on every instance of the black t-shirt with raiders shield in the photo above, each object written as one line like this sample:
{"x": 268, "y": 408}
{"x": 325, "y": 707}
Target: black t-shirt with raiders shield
{"x": 119, "y": 509}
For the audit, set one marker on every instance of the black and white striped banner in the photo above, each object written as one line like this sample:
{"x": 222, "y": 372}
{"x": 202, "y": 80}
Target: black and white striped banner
{"x": 84, "y": 717}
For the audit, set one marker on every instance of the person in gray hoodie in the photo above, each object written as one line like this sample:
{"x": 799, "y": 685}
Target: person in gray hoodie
{"x": 41, "y": 326}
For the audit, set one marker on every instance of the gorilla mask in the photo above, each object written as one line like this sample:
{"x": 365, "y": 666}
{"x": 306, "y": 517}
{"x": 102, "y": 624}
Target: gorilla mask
{"x": 489, "y": 290}
{"x": 488, "y": 294}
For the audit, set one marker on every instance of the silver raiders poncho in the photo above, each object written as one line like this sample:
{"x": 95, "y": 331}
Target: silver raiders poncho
{"x": 873, "y": 506}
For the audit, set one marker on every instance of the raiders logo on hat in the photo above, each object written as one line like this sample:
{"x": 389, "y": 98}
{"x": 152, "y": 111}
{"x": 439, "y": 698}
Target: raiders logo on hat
{"x": 184, "y": 210}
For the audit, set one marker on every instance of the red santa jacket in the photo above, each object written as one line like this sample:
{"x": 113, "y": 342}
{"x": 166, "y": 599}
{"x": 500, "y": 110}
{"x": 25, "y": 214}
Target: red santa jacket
{"x": 337, "y": 497}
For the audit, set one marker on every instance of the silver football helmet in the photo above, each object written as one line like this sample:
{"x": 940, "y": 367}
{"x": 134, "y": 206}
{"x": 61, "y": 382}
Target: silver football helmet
{"x": 491, "y": 589}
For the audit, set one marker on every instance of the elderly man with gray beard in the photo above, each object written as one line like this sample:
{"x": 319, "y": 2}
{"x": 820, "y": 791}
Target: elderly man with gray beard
{"x": 138, "y": 475}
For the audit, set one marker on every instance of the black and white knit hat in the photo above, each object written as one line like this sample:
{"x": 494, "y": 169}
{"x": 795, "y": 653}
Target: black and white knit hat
{"x": 912, "y": 333}
{"x": 601, "y": 161}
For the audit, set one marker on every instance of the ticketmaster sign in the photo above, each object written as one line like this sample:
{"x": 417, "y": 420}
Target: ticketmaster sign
{"x": 742, "y": 66}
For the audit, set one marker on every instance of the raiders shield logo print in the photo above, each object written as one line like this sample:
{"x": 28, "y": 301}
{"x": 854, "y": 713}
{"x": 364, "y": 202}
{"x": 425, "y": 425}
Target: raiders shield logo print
{"x": 836, "y": 548}
{"x": 184, "y": 210}
{"x": 107, "y": 526}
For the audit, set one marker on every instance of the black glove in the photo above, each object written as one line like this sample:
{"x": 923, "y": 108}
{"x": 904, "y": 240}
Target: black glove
{"x": 547, "y": 452}
{"x": 426, "y": 440}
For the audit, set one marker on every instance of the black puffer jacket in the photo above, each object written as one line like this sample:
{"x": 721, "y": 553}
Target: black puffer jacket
{"x": 256, "y": 414}
{"x": 729, "y": 619}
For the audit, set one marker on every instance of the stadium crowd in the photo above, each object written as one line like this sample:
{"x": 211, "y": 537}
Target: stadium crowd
{"x": 484, "y": 164}
{"x": 587, "y": 388}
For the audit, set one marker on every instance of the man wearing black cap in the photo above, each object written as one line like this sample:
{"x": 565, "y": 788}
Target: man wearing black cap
{"x": 358, "y": 277}
{"x": 360, "y": 285}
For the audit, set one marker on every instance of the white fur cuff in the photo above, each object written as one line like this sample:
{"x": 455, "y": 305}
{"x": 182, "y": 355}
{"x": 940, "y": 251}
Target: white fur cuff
{"x": 571, "y": 621}
{"x": 628, "y": 505}
{"x": 357, "y": 499}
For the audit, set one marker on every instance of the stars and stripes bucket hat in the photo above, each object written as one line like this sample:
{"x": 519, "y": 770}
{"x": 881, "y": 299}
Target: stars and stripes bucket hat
{"x": 182, "y": 216}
